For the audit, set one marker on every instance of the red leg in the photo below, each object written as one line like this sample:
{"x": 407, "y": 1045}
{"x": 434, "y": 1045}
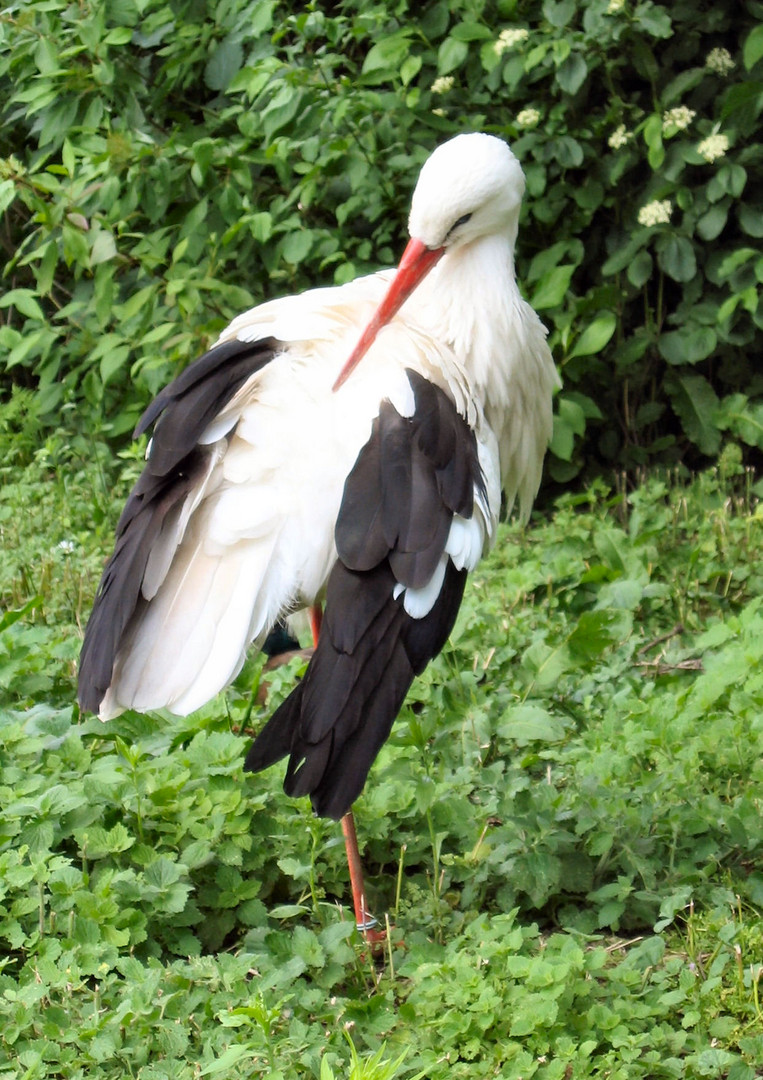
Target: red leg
{"x": 365, "y": 921}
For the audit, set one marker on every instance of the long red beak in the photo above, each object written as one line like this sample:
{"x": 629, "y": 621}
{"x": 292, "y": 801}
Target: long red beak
{"x": 414, "y": 266}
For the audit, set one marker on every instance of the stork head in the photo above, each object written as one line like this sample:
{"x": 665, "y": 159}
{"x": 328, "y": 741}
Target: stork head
{"x": 469, "y": 187}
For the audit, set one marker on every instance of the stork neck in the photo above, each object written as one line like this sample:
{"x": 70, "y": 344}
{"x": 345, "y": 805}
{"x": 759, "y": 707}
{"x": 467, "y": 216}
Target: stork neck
{"x": 473, "y": 294}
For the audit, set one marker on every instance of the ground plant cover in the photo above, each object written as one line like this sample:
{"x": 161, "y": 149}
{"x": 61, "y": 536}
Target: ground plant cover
{"x": 565, "y": 829}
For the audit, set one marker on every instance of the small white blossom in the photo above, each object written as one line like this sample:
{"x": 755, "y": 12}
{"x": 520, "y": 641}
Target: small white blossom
{"x": 719, "y": 60}
{"x": 443, "y": 84}
{"x": 510, "y": 37}
{"x": 619, "y": 137}
{"x": 656, "y": 212}
{"x": 615, "y": 6}
{"x": 528, "y": 118}
{"x": 713, "y": 147}
{"x": 67, "y": 546}
{"x": 677, "y": 118}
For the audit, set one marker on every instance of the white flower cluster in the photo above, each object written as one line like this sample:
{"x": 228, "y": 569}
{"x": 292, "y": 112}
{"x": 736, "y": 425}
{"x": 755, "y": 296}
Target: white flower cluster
{"x": 713, "y": 147}
{"x": 443, "y": 84}
{"x": 615, "y": 6}
{"x": 656, "y": 212}
{"x": 507, "y": 39}
{"x": 719, "y": 60}
{"x": 619, "y": 137}
{"x": 677, "y": 119}
{"x": 528, "y": 118}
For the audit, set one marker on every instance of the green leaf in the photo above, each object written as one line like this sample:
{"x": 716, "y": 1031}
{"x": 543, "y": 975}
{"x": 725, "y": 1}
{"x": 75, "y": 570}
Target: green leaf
{"x": 104, "y": 248}
{"x": 596, "y": 335}
{"x": 25, "y": 303}
{"x": 558, "y": 13}
{"x": 751, "y": 220}
{"x": 572, "y": 73}
{"x": 451, "y": 55}
{"x": 675, "y": 256}
{"x": 710, "y": 224}
{"x": 224, "y": 63}
{"x": 296, "y": 245}
{"x": 688, "y": 345}
{"x": 471, "y": 31}
{"x": 752, "y": 50}
{"x": 553, "y": 287}
{"x": 695, "y": 403}
{"x": 524, "y": 724}
{"x": 640, "y": 269}
{"x": 654, "y": 19}
{"x": 388, "y": 54}
{"x": 7, "y": 194}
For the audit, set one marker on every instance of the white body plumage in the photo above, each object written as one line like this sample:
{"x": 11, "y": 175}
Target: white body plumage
{"x": 254, "y": 536}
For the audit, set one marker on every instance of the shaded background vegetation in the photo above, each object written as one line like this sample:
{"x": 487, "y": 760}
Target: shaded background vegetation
{"x": 165, "y": 165}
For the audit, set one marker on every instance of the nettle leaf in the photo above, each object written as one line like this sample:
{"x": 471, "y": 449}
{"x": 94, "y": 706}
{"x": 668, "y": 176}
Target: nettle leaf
{"x": 696, "y": 403}
{"x": 675, "y": 255}
{"x": 524, "y": 724}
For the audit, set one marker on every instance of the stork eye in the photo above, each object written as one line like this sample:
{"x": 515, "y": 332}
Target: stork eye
{"x": 461, "y": 221}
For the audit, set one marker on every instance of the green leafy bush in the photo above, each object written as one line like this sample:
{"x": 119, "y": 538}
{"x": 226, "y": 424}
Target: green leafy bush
{"x": 167, "y": 165}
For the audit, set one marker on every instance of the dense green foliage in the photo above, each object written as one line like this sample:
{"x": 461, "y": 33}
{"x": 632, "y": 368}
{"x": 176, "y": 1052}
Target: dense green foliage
{"x": 165, "y": 164}
{"x": 565, "y": 826}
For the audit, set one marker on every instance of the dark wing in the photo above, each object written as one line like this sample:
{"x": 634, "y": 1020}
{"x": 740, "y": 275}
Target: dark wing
{"x": 409, "y": 480}
{"x": 176, "y": 465}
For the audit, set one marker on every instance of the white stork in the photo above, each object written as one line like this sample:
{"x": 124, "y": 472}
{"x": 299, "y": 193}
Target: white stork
{"x": 276, "y": 479}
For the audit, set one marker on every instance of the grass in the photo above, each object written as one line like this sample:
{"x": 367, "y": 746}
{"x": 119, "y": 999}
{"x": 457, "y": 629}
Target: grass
{"x": 565, "y": 827}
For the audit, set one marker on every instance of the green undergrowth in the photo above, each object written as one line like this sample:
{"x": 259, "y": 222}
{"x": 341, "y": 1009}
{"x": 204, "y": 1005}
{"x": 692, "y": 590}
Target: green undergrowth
{"x": 564, "y": 829}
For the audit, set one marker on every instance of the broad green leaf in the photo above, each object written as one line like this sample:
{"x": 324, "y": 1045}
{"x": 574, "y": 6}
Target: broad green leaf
{"x": 552, "y": 287}
{"x": 675, "y": 255}
{"x": 387, "y": 54}
{"x": 696, "y": 403}
{"x": 752, "y": 50}
{"x": 471, "y": 31}
{"x": 524, "y": 724}
{"x": 25, "y": 303}
{"x": 711, "y": 223}
{"x": 451, "y": 55}
{"x": 104, "y": 248}
{"x": 640, "y": 269}
{"x": 688, "y": 345}
{"x": 654, "y": 19}
{"x": 596, "y": 334}
{"x": 751, "y": 220}
{"x": 572, "y": 73}
{"x": 558, "y": 12}
{"x": 296, "y": 245}
{"x": 224, "y": 64}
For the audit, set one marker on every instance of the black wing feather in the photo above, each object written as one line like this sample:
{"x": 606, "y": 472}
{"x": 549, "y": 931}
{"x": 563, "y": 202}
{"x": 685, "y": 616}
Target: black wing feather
{"x": 175, "y": 465}
{"x": 399, "y": 500}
